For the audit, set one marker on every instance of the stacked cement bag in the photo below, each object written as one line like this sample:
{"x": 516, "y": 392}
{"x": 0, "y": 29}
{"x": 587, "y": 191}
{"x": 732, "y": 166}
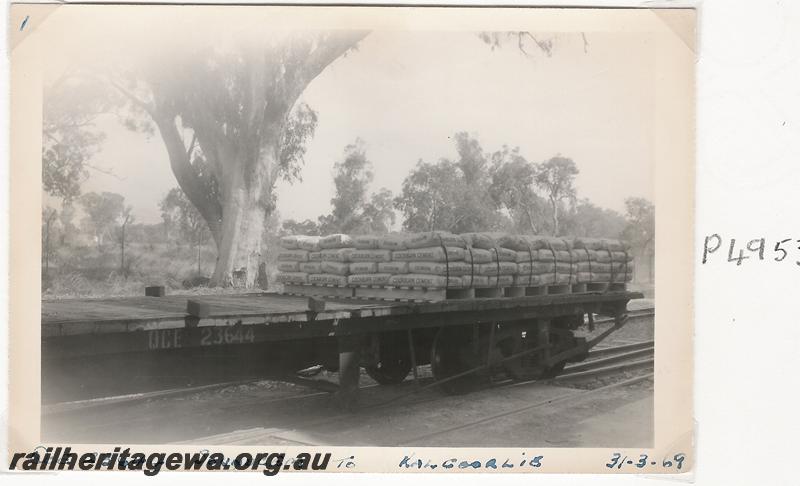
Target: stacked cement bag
{"x": 293, "y": 261}
{"x": 366, "y": 259}
{"x": 603, "y": 260}
{"x": 543, "y": 261}
{"x": 433, "y": 260}
{"x": 445, "y": 260}
{"x": 333, "y": 266}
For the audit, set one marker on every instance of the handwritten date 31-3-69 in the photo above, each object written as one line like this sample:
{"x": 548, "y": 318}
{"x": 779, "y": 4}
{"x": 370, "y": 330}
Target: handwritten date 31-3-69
{"x": 643, "y": 461}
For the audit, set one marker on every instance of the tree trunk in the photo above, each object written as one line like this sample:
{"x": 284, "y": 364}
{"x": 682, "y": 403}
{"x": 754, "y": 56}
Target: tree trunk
{"x": 244, "y": 215}
{"x": 122, "y": 253}
{"x": 240, "y": 247}
{"x": 527, "y": 211}
{"x": 197, "y": 250}
{"x": 47, "y": 246}
{"x": 555, "y": 217}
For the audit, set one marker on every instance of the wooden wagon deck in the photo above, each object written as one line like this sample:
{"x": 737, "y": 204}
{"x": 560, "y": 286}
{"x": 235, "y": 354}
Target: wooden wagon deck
{"x": 82, "y": 316}
{"x": 68, "y": 311}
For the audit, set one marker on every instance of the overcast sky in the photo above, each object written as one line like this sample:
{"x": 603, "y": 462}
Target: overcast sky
{"x": 406, "y": 93}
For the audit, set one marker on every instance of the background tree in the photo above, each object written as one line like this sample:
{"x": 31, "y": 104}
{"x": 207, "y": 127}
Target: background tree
{"x": 589, "y": 220}
{"x": 307, "y": 227}
{"x": 185, "y": 221}
{"x": 69, "y": 136}
{"x": 556, "y": 178}
{"x": 68, "y": 228}
{"x": 378, "y": 215}
{"x": 354, "y": 210}
{"x": 640, "y": 230}
{"x": 351, "y": 178}
{"x": 102, "y": 211}
{"x": 450, "y": 195}
{"x": 512, "y": 187}
{"x": 48, "y": 228}
{"x": 126, "y": 218}
{"x": 426, "y": 196}
{"x": 150, "y": 234}
{"x": 471, "y": 159}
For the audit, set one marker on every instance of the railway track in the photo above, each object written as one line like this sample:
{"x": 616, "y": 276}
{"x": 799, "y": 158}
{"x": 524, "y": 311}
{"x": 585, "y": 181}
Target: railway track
{"x": 295, "y": 432}
{"x": 569, "y": 396}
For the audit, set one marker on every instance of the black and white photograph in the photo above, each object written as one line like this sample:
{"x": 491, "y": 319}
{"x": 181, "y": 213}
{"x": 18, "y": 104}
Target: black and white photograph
{"x": 360, "y": 227}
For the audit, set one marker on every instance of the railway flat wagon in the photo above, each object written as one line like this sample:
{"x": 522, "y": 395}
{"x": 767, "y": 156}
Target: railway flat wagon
{"x": 102, "y": 347}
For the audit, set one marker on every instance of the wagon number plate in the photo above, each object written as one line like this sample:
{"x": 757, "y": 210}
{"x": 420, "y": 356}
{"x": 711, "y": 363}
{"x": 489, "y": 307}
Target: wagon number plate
{"x": 209, "y": 336}
{"x": 212, "y": 336}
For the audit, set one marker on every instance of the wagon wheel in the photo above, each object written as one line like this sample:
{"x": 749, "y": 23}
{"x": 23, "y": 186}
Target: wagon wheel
{"x": 524, "y": 367}
{"x": 561, "y": 341}
{"x": 453, "y": 352}
{"x": 394, "y": 362}
{"x": 554, "y": 370}
{"x": 527, "y": 367}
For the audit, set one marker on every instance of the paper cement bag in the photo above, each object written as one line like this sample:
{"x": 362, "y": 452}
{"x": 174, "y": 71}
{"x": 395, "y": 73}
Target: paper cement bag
{"x": 292, "y": 255}
{"x": 285, "y": 266}
{"x": 292, "y": 277}
{"x": 369, "y": 279}
{"x": 335, "y": 268}
{"x": 327, "y": 279}
{"x": 426, "y": 281}
{"x": 431, "y": 254}
{"x": 363, "y": 267}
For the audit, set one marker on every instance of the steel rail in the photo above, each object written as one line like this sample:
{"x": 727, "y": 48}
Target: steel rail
{"x": 551, "y": 401}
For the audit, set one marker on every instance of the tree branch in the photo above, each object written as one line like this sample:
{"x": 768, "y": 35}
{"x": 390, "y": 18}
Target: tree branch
{"x": 191, "y": 146}
{"x": 329, "y": 49}
{"x": 189, "y": 181}
{"x": 107, "y": 172}
{"x": 545, "y": 46}
{"x": 132, "y": 97}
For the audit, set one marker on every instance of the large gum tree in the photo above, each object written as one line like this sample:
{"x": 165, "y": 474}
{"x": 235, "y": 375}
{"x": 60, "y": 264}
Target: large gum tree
{"x": 229, "y": 117}
{"x": 232, "y": 127}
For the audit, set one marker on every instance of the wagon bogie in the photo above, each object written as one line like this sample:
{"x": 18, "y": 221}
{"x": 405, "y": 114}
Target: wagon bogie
{"x": 389, "y": 360}
{"x": 455, "y": 353}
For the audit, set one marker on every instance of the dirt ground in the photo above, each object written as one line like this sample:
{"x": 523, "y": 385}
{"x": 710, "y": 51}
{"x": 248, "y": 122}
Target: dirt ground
{"x": 617, "y": 417}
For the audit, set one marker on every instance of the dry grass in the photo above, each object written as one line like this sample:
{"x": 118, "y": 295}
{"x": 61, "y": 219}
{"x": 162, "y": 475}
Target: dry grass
{"x": 90, "y": 273}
